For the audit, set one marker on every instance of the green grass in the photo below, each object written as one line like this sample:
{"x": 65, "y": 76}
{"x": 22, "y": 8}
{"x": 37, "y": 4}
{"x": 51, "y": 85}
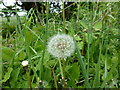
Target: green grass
{"x": 94, "y": 63}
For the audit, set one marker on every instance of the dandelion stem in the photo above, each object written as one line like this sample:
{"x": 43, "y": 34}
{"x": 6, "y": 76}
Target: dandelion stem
{"x": 29, "y": 81}
{"x": 61, "y": 67}
{"x": 63, "y": 63}
{"x": 62, "y": 72}
{"x": 54, "y": 79}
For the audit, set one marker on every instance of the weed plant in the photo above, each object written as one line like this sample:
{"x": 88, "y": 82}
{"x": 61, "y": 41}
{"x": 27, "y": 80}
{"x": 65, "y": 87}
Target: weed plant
{"x": 94, "y": 64}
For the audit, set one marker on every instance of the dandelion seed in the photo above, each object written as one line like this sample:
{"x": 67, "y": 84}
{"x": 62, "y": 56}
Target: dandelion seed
{"x": 61, "y": 46}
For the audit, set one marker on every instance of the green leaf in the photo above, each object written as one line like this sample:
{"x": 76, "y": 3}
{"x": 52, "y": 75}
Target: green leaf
{"x": 14, "y": 77}
{"x": 97, "y": 75}
{"x": 71, "y": 83}
{"x": 77, "y": 37}
{"x": 28, "y": 37}
{"x": 111, "y": 16}
{"x": 47, "y": 75}
{"x": 7, "y": 53}
{"x": 46, "y": 59}
{"x": 24, "y": 84}
{"x": 51, "y": 63}
{"x": 7, "y": 75}
{"x": 82, "y": 66}
{"x": 83, "y": 23}
{"x": 108, "y": 76}
{"x": 80, "y": 44}
{"x": 98, "y": 25}
{"x": 74, "y": 71}
{"x": 34, "y": 85}
{"x": 22, "y": 55}
{"x": 67, "y": 68}
{"x": 90, "y": 39}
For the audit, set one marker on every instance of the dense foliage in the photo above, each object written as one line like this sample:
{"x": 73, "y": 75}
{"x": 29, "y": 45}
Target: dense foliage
{"x": 94, "y": 64}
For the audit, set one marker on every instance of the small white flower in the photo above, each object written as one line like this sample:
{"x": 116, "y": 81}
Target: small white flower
{"x": 25, "y": 63}
{"x": 61, "y": 45}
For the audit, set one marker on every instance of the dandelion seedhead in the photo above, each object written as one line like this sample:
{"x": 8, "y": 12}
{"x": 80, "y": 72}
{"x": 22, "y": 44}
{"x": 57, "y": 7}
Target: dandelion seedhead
{"x": 25, "y": 63}
{"x": 61, "y": 46}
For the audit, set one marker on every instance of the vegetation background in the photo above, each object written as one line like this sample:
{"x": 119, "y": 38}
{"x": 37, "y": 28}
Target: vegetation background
{"x": 94, "y": 27}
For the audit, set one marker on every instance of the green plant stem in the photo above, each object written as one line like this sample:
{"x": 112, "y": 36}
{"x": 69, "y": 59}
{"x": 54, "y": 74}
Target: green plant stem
{"x": 29, "y": 80}
{"x": 47, "y": 15}
{"x": 78, "y": 15}
{"x": 62, "y": 73}
{"x": 63, "y": 10}
{"x": 60, "y": 67}
{"x": 63, "y": 63}
{"x": 46, "y": 29}
{"x": 83, "y": 46}
{"x": 105, "y": 68}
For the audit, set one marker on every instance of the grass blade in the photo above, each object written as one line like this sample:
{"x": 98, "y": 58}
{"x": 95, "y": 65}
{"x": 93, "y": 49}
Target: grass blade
{"x": 82, "y": 66}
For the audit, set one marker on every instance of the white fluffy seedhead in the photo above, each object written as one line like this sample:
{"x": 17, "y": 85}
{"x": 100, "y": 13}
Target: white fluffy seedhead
{"x": 61, "y": 46}
{"x": 25, "y": 63}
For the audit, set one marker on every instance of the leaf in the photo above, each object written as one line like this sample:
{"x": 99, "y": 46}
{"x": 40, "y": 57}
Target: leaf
{"x": 46, "y": 59}
{"x": 74, "y": 71}
{"x": 67, "y": 68}
{"x": 108, "y": 76}
{"x": 98, "y": 25}
{"x": 28, "y": 37}
{"x": 96, "y": 82}
{"x": 22, "y": 55}
{"x": 71, "y": 83}
{"x": 89, "y": 39}
{"x": 24, "y": 84}
{"x": 34, "y": 85}
{"x": 14, "y": 77}
{"x": 111, "y": 16}
{"x": 83, "y": 23}
{"x": 7, "y": 75}
{"x": 51, "y": 63}
{"x": 80, "y": 44}
{"x": 82, "y": 65}
{"x": 7, "y": 53}
{"x": 77, "y": 37}
{"x": 47, "y": 74}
